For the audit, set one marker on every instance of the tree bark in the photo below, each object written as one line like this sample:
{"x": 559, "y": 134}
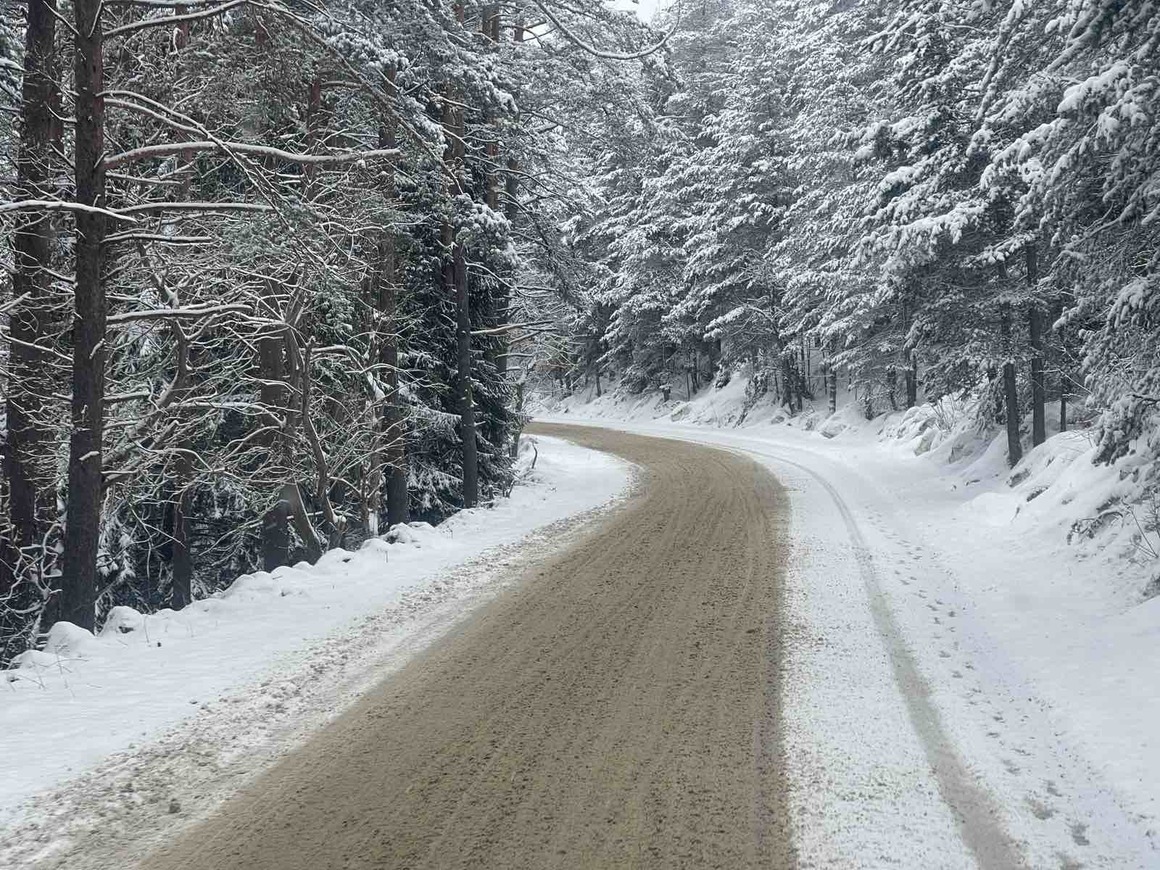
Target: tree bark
{"x": 911, "y": 381}
{"x": 511, "y": 210}
{"x": 1010, "y": 385}
{"x": 394, "y": 416}
{"x": 1035, "y": 331}
{"x": 1010, "y": 394}
{"x": 455, "y": 281}
{"x": 28, "y": 459}
{"x": 272, "y": 395}
{"x": 181, "y": 564}
{"x": 831, "y": 380}
{"x": 77, "y": 597}
{"x": 787, "y": 382}
{"x": 1064, "y": 380}
{"x": 463, "y": 378}
{"x": 1011, "y": 401}
{"x": 181, "y": 590}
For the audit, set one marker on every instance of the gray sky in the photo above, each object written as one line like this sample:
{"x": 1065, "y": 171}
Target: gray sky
{"x": 643, "y": 8}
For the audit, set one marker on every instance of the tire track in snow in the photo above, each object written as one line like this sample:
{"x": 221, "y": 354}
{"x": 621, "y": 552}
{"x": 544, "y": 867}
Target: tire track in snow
{"x": 975, "y": 812}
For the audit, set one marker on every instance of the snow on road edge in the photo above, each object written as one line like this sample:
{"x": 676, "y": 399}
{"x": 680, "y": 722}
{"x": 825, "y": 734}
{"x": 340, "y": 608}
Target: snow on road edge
{"x": 104, "y": 737}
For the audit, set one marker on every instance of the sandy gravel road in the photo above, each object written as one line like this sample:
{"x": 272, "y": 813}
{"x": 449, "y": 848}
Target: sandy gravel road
{"x": 618, "y": 707}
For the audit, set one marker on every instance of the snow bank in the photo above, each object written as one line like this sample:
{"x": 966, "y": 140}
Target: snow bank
{"x": 67, "y": 707}
{"x": 1110, "y": 513}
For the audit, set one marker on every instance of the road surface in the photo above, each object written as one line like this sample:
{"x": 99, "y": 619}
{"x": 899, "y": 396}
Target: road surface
{"x": 617, "y": 707}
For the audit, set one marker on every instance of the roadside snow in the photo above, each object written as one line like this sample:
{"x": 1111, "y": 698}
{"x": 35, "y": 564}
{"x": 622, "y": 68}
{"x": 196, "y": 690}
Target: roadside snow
{"x": 150, "y": 699}
{"x": 1019, "y": 596}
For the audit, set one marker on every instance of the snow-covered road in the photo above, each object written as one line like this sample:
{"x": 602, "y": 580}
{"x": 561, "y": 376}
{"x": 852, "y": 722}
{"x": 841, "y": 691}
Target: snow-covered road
{"x": 109, "y": 741}
{"x": 920, "y": 732}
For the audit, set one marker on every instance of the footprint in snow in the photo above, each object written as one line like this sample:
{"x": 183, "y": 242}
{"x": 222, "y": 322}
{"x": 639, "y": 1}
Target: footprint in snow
{"x": 1040, "y": 810}
{"x": 1079, "y": 834}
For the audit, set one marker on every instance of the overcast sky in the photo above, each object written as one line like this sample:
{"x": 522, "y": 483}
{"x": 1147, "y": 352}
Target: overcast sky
{"x": 643, "y": 8}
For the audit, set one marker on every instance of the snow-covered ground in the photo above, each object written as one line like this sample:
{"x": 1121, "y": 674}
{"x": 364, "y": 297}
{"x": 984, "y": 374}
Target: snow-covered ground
{"x": 957, "y": 642}
{"x": 157, "y": 717}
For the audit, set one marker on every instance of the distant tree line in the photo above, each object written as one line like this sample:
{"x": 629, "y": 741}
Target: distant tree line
{"x": 919, "y": 197}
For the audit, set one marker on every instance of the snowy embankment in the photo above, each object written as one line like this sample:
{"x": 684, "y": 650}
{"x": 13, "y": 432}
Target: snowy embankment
{"x": 143, "y": 708}
{"x": 968, "y": 635}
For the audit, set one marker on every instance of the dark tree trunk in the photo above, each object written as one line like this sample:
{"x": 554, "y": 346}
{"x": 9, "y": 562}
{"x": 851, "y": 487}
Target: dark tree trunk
{"x": 511, "y": 208}
{"x": 272, "y": 395}
{"x": 181, "y": 594}
{"x": 463, "y": 378}
{"x": 911, "y": 382}
{"x": 181, "y": 564}
{"x": 1010, "y": 396}
{"x": 831, "y": 381}
{"x": 28, "y": 460}
{"x": 787, "y": 383}
{"x": 992, "y": 377}
{"x": 394, "y": 415}
{"x": 1064, "y": 380}
{"x": 1011, "y": 401}
{"x": 1035, "y": 330}
{"x": 455, "y": 280}
{"x": 497, "y": 298}
{"x": 76, "y": 600}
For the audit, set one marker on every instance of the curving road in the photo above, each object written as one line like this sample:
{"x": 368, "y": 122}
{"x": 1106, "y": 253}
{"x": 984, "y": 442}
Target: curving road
{"x": 618, "y": 707}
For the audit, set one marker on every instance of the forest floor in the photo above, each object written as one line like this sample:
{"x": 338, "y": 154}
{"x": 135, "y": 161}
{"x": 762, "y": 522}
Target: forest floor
{"x": 109, "y": 743}
{"x": 951, "y": 655}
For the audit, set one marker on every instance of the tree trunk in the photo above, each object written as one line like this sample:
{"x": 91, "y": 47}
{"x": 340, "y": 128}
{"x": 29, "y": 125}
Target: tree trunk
{"x": 272, "y": 395}
{"x": 1035, "y": 330}
{"x": 1064, "y": 391}
{"x": 181, "y": 592}
{"x": 1011, "y": 400}
{"x": 787, "y": 383}
{"x": 333, "y": 523}
{"x": 911, "y": 381}
{"x": 455, "y": 280}
{"x": 832, "y": 382}
{"x": 463, "y": 378}
{"x": 511, "y": 208}
{"x": 394, "y": 421}
{"x": 1010, "y": 396}
{"x": 497, "y": 300}
{"x": 77, "y": 598}
{"x": 181, "y": 563}
{"x": 394, "y": 416}
{"x": 992, "y": 377}
{"x": 28, "y": 459}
